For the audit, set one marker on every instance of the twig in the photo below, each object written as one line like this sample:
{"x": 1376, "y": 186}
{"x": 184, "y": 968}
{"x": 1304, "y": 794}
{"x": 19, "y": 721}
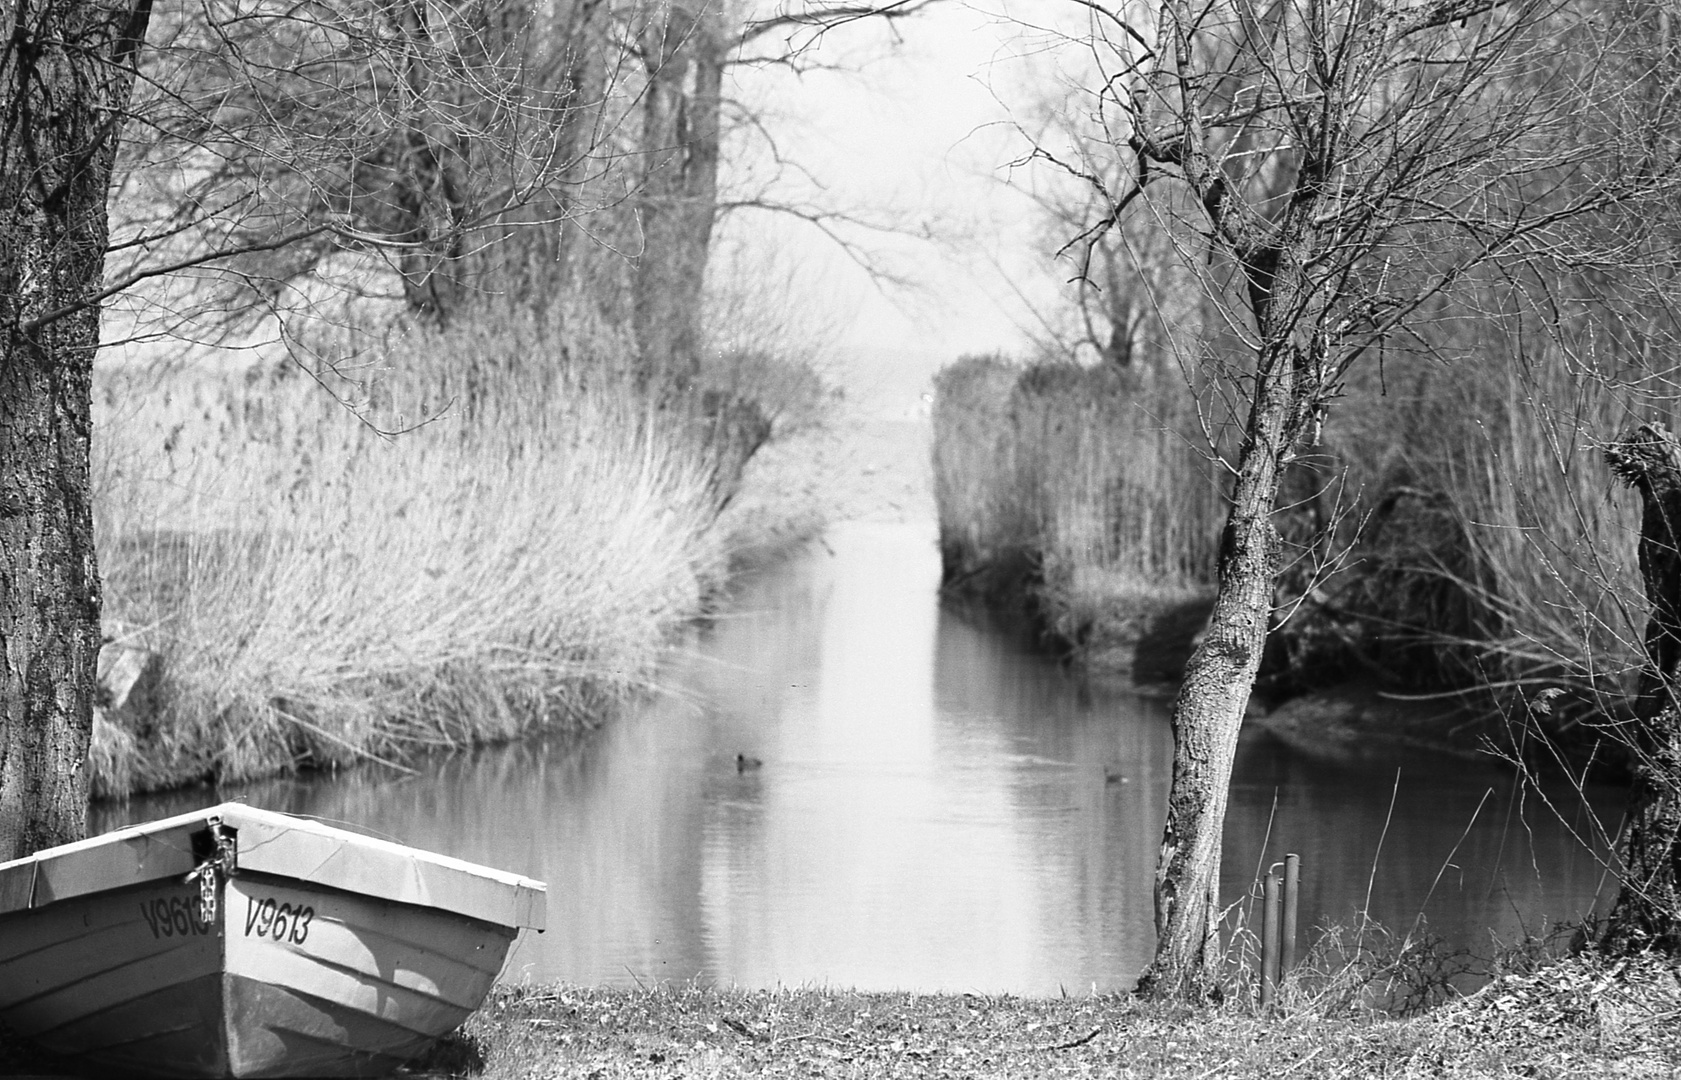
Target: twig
{"x": 807, "y": 1035}
{"x": 1366, "y": 909}
{"x": 360, "y": 751}
{"x": 1081, "y": 1041}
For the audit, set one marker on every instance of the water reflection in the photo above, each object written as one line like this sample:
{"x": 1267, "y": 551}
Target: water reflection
{"x": 937, "y": 809}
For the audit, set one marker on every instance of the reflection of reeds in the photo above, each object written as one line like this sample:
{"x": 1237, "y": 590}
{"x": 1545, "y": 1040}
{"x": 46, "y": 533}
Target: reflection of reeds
{"x": 322, "y": 594}
{"x": 1078, "y": 471}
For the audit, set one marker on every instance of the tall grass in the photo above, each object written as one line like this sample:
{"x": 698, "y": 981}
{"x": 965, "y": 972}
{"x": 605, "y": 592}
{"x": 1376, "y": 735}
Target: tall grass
{"x": 322, "y": 593}
{"x": 1081, "y": 479}
{"x": 1556, "y": 547}
{"x": 1488, "y": 553}
{"x": 984, "y": 513}
{"x": 1481, "y": 546}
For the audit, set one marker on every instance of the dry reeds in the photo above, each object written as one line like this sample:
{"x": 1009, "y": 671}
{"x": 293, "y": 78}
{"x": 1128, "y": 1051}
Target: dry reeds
{"x": 1077, "y": 472}
{"x": 1485, "y": 552}
{"x": 1496, "y": 558}
{"x": 322, "y": 593}
{"x": 983, "y": 513}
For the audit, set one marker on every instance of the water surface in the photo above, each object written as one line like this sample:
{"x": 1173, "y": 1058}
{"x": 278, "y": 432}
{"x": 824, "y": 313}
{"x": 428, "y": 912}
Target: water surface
{"x": 927, "y": 805}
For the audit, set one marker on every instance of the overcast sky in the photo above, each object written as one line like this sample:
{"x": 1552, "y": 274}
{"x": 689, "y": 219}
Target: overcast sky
{"x": 919, "y": 132}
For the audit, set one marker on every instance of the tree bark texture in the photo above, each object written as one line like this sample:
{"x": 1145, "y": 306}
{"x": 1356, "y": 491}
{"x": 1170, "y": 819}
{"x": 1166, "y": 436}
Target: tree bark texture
{"x": 1209, "y": 710}
{"x": 65, "y": 78}
{"x": 1289, "y": 309}
{"x": 1647, "y": 913}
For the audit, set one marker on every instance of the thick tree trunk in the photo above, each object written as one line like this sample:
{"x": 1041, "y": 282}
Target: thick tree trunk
{"x": 1289, "y": 311}
{"x": 532, "y": 258}
{"x": 66, "y": 87}
{"x": 1208, "y": 712}
{"x": 1647, "y": 914}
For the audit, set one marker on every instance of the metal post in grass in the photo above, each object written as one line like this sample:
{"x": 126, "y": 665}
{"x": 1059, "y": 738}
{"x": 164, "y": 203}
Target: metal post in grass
{"x": 1269, "y": 938}
{"x": 1292, "y": 890}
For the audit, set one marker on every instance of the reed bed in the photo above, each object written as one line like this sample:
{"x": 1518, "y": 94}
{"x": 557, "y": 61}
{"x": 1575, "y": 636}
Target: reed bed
{"x": 1455, "y": 532}
{"x": 1078, "y": 487}
{"x": 1487, "y": 553}
{"x": 322, "y": 593}
{"x": 1554, "y": 543}
{"x": 983, "y": 513}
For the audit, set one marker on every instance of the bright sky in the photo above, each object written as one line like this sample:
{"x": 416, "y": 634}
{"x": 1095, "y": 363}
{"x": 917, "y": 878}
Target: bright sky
{"x": 920, "y": 133}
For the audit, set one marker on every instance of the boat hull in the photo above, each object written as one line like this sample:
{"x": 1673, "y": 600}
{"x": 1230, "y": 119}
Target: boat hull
{"x": 327, "y": 983}
{"x": 103, "y": 981}
{"x": 284, "y": 981}
{"x": 273, "y": 976}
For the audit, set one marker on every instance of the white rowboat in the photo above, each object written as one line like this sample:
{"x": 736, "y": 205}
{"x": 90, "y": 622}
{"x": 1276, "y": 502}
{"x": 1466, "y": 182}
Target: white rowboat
{"x": 236, "y": 942}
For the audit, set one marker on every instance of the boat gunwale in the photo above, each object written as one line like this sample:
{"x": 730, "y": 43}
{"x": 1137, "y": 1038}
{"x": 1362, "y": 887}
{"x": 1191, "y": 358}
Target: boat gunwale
{"x": 283, "y": 845}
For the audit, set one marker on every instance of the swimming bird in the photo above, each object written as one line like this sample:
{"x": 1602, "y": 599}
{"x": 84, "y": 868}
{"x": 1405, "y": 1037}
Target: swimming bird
{"x": 743, "y": 763}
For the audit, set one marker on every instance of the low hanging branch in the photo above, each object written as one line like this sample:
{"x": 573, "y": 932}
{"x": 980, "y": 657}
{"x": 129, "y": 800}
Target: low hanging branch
{"x": 1647, "y": 914}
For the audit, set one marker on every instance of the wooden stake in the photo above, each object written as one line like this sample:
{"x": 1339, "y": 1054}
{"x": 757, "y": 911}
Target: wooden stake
{"x": 1269, "y": 940}
{"x": 1292, "y": 890}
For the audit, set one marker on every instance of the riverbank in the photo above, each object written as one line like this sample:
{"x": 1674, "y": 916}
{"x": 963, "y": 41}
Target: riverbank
{"x": 1140, "y": 640}
{"x": 467, "y": 538}
{"x": 1573, "y": 1019}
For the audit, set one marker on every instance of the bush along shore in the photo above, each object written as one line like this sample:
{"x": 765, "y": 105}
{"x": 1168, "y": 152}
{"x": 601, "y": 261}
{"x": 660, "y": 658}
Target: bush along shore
{"x": 477, "y": 536}
{"x": 1453, "y": 571}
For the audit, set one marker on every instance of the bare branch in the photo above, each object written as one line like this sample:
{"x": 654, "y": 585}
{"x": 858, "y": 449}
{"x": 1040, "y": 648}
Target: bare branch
{"x": 824, "y": 18}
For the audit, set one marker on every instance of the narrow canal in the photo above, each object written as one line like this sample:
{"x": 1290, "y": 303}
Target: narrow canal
{"x": 843, "y": 784}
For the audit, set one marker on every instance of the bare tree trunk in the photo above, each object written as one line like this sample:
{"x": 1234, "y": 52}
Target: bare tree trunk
{"x": 432, "y": 194}
{"x": 565, "y": 51}
{"x": 1647, "y": 914}
{"x": 681, "y": 129}
{"x": 1208, "y": 712}
{"x": 67, "y": 79}
{"x": 1289, "y": 312}
{"x": 548, "y": 64}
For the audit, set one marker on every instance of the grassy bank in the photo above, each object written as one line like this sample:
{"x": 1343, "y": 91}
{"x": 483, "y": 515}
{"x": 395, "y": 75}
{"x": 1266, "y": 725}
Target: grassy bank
{"x": 320, "y": 591}
{"x": 1574, "y": 1019}
{"x": 1532, "y": 1031}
